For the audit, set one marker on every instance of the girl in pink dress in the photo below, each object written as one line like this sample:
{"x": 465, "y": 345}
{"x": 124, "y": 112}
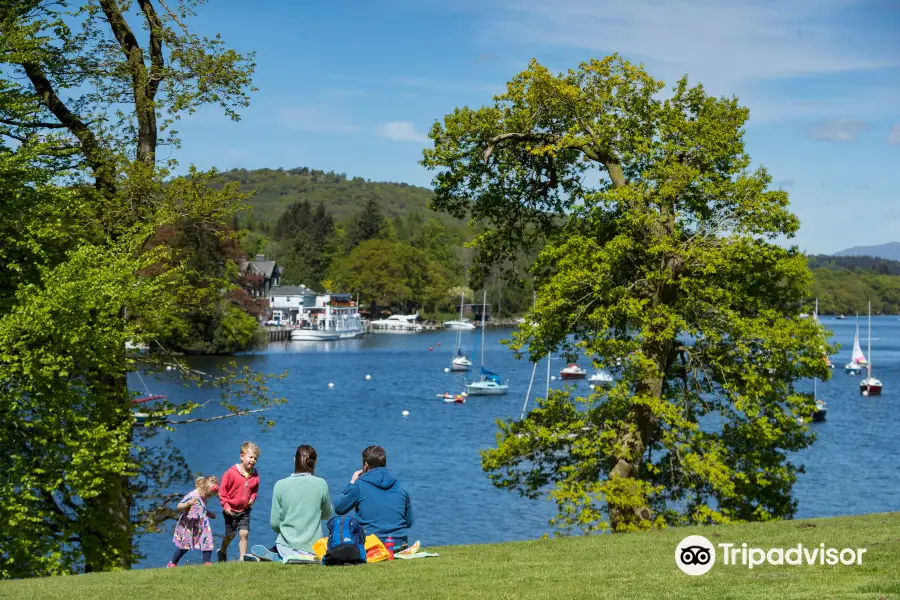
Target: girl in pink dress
{"x": 193, "y": 529}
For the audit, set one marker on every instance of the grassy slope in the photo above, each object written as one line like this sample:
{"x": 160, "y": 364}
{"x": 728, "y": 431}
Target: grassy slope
{"x": 278, "y": 189}
{"x": 621, "y": 566}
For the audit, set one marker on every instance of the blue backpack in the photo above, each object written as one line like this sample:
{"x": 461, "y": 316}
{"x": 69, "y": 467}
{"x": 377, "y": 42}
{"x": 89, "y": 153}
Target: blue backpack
{"x": 346, "y": 542}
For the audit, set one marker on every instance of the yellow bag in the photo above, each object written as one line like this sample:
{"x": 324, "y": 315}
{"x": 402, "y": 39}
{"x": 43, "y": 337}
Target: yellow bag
{"x": 320, "y": 546}
{"x": 375, "y": 550}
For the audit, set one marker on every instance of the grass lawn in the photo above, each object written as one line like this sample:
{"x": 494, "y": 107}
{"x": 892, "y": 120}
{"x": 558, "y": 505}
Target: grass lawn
{"x": 603, "y": 566}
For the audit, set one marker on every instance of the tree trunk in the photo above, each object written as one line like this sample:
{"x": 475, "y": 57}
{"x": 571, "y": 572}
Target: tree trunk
{"x": 106, "y": 537}
{"x": 629, "y": 508}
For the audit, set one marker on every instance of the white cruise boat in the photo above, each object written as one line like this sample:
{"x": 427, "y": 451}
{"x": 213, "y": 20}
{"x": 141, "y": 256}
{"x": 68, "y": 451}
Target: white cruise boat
{"x": 334, "y": 317}
{"x": 397, "y": 324}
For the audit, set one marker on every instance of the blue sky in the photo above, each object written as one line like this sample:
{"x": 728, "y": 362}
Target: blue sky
{"x": 352, "y": 86}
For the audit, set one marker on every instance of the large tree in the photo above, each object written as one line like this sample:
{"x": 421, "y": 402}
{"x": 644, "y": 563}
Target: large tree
{"x": 86, "y": 90}
{"x": 659, "y": 264}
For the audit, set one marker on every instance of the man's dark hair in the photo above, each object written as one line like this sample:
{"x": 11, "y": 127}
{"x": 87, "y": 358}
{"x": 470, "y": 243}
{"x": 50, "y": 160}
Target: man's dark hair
{"x": 305, "y": 459}
{"x": 374, "y": 457}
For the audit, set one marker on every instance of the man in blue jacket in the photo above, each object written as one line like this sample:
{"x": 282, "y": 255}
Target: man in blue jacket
{"x": 382, "y": 505}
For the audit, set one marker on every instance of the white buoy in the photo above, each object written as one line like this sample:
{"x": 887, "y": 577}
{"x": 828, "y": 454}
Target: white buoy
{"x": 169, "y": 367}
{"x": 446, "y": 369}
{"x": 405, "y": 413}
{"x": 866, "y": 393}
{"x": 591, "y": 386}
{"x": 553, "y": 378}
{"x": 368, "y": 377}
{"x": 330, "y": 385}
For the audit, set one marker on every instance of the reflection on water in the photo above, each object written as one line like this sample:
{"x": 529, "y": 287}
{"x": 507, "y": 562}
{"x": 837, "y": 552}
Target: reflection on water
{"x": 434, "y": 451}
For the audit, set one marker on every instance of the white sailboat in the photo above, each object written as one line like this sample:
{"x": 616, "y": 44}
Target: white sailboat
{"x": 490, "y": 384}
{"x": 821, "y": 410}
{"x": 870, "y": 386}
{"x": 857, "y": 358}
{"x": 460, "y": 362}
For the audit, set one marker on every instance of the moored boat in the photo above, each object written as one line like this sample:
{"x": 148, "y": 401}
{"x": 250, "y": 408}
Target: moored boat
{"x": 572, "y": 371}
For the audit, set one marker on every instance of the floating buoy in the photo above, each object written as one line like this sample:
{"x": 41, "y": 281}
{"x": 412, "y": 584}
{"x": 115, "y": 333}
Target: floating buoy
{"x": 866, "y": 393}
{"x": 431, "y": 349}
{"x": 405, "y": 413}
{"x": 170, "y": 368}
{"x": 330, "y": 385}
{"x": 368, "y": 377}
{"x": 591, "y": 386}
{"x": 553, "y": 378}
{"x": 446, "y": 370}
{"x": 439, "y": 343}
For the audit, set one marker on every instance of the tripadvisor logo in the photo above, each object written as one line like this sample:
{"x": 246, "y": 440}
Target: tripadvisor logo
{"x": 696, "y": 555}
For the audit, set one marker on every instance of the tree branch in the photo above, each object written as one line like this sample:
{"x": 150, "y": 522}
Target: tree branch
{"x": 208, "y": 419}
{"x": 156, "y": 55}
{"x": 605, "y": 157}
{"x": 143, "y": 87}
{"x": 104, "y": 178}
{"x": 35, "y": 124}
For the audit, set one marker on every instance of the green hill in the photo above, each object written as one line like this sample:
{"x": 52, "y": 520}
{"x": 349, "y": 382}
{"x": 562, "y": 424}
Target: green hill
{"x": 276, "y": 189}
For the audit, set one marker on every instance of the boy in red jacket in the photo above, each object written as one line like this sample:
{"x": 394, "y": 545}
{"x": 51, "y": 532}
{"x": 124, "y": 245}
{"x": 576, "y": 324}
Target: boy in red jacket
{"x": 237, "y": 493}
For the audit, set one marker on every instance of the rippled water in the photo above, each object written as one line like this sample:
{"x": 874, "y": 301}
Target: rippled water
{"x": 852, "y": 468}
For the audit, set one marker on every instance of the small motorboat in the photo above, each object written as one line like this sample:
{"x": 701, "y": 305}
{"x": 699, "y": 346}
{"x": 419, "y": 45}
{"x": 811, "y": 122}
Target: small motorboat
{"x": 820, "y": 412}
{"x": 449, "y": 398}
{"x": 601, "y": 378}
{"x": 572, "y": 371}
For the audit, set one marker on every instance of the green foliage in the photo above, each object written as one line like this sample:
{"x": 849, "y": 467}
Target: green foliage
{"x": 656, "y": 261}
{"x": 87, "y": 269}
{"x": 387, "y": 272}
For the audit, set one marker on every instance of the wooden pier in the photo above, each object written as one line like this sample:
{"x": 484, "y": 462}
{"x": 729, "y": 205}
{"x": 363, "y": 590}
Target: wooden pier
{"x": 279, "y": 334}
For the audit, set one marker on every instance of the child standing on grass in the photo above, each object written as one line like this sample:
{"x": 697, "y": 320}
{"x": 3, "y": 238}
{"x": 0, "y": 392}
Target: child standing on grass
{"x": 240, "y": 485}
{"x": 192, "y": 529}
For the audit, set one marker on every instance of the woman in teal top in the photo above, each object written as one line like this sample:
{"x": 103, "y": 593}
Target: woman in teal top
{"x": 299, "y": 505}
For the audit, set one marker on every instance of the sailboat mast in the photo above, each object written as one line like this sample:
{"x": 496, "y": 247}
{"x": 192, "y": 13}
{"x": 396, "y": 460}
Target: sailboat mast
{"x": 483, "y": 307}
{"x": 869, "y": 347}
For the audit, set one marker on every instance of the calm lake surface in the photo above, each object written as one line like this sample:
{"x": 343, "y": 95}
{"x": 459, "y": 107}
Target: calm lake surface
{"x": 851, "y": 469}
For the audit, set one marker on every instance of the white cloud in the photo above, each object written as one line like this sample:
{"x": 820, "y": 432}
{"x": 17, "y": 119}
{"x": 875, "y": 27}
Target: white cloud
{"x": 894, "y": 137}
{"x": 725, "y": 42}
{"x": 313, "y": 117}
{"x": 731, "y": 47}
{"x": 844, "y": 130}
{"x": 402, "y": 131}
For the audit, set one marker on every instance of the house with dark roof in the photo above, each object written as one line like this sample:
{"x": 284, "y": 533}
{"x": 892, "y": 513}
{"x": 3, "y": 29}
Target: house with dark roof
{"x": 287, "y": 301}
{"x": 260, "y": 275}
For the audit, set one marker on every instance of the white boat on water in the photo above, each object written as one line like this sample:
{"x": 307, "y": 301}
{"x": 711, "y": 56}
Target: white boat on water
{"x": 460, "y": 362}
{"x": 572, "y": 371}
{"x": 601, "y": 378}
{"x": 397, "y": 324}
{"x": 857, "y": 358}
{"x": 490, "y": 384}
{"x": 334, "y": 317}
{"x": 460, "y": 324}
{"x": 870, "y": 386}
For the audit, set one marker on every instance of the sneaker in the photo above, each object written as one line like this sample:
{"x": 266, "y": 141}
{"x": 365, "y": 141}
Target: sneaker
{"x": 250, "y": 558}
{"x": 207, "y": 563}
{"x": 221, "y": 555}
{"x": 264, "y": 554}
{"x": 171, "y": 565}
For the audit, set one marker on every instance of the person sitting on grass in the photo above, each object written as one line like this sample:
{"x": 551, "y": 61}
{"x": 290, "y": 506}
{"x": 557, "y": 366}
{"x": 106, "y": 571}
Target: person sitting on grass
{"x": 299, "y": 505}
{"x": 382, "y": 505}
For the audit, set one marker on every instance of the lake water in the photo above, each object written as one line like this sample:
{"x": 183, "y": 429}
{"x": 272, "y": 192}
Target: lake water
{"x": 851, "y": 469}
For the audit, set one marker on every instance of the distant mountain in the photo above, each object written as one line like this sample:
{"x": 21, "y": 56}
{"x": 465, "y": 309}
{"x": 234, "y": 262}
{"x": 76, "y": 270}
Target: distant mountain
{"x": 890, "y": 251}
